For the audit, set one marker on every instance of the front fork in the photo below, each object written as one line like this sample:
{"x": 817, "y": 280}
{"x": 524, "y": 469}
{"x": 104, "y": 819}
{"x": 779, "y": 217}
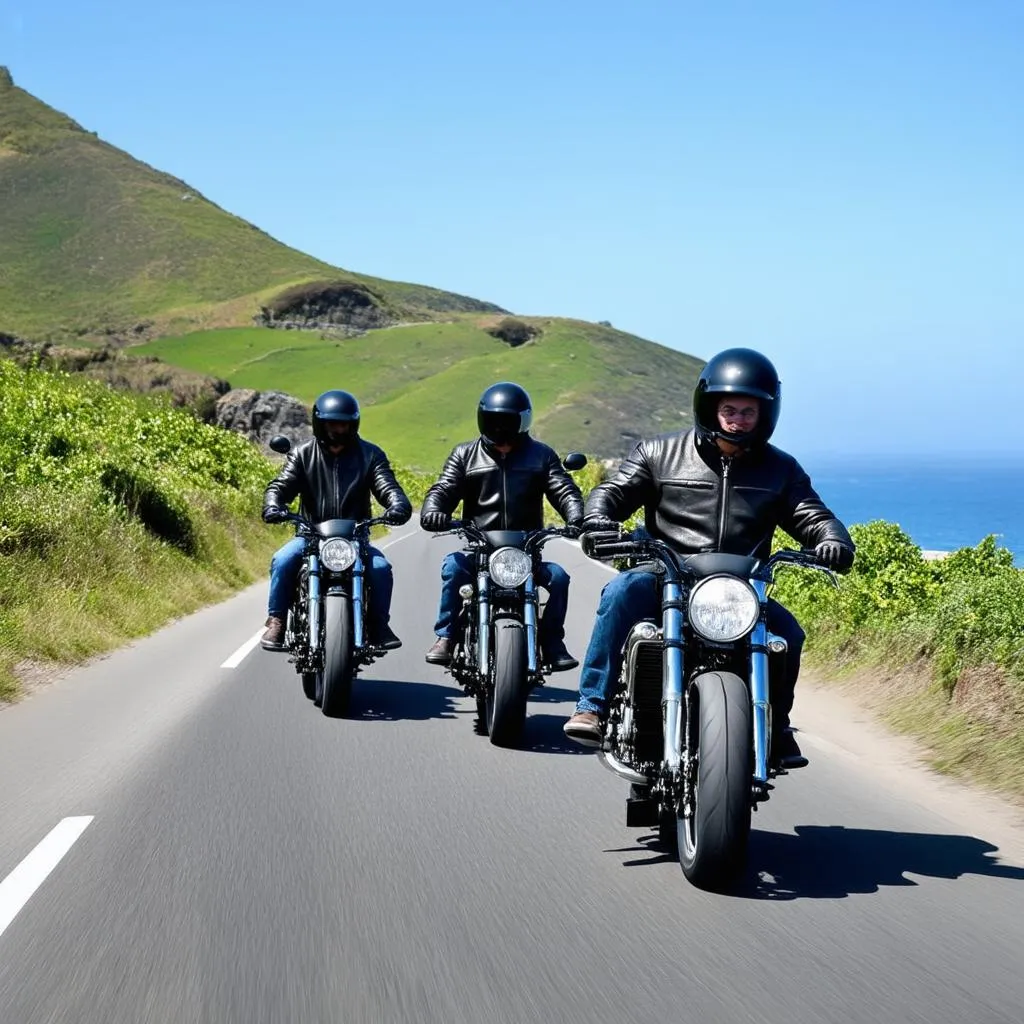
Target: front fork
{"x": 358, "y": 599}
{"x": 761, "y": 641}
{"x": 315, "y": 605}
{"x": 672, "y": 674}
{"x": 483, "y": 645}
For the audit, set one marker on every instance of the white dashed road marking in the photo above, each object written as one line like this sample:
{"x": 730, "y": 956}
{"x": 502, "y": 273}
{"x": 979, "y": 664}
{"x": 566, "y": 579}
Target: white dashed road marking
{"x": 17, "y": 888}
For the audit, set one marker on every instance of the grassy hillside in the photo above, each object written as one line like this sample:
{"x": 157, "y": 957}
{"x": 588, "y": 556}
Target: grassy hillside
{"x": 594, "y": 388}
{"x": 94, "y": 241}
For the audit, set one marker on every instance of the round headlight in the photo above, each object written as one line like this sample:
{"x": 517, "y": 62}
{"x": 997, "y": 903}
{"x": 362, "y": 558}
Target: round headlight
{"x": 509, "y": 567}
{"x": 337, "y": 554}
{"x": 723, "y": 608}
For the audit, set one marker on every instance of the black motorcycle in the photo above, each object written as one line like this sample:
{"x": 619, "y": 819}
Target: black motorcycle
{"x": 690, "y": 724}
{"x": 326, "y": 631}
{"x": 495, "y": 653}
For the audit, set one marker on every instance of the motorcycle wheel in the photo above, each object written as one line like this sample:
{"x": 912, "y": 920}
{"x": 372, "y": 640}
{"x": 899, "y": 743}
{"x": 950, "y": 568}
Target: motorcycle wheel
{"x": 713, "y": 839}
{"x": 506, "y": 698}
{"x": 336, "y": 682}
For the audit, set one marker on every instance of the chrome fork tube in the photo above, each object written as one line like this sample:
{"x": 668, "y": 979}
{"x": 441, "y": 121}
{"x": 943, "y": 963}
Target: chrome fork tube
{"x": 760, "y": 692}
{"x": 483, "y": 636}
{"x": 358, "y": 597}
{"x": 313, "y": 616}
{"x": 672, "y": 672}
{"x": 530, "y": 621}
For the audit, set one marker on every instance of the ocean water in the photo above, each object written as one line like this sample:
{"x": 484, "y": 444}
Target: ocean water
{"x": 943, "y": 504}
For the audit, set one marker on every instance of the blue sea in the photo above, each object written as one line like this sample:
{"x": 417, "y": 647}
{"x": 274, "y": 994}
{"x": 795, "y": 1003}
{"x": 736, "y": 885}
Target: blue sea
{"x": 943, "y": 504}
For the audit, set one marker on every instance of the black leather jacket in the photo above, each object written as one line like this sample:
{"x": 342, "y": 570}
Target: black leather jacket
{"x": 338, "y": 486}
{"x": 696, "y": 499}
{"x": 504, "y": 492}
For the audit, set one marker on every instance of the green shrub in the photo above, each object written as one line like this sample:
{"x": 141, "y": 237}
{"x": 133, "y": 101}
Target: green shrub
{"x": 513, "y": 331}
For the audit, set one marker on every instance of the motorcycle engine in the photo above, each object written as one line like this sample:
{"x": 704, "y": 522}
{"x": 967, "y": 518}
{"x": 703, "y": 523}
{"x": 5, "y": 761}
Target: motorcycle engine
{"x": 641, "y": 735}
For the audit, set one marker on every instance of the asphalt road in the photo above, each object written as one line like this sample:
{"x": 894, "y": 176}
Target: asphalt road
{"x": 234, "y": 856}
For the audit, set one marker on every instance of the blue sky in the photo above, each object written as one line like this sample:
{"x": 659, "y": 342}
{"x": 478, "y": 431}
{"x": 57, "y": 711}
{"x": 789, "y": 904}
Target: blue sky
{"x": 838, "y": 184}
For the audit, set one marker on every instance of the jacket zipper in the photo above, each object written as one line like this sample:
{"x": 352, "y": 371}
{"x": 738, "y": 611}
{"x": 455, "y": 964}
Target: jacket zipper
{"x": 723, "y": 501}
{"x": 504, "y": 494}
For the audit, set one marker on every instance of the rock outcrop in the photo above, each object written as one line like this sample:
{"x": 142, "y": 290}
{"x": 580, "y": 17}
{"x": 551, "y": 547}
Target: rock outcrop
{"x": 259, "y": 415}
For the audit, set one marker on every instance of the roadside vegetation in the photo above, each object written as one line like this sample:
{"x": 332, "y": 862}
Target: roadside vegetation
{"x": 118, "y": 514}
{"x": 936, "y": 645}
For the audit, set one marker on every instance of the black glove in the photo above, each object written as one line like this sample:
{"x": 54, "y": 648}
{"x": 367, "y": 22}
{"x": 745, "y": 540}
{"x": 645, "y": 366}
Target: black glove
{"x": 573, "y": 528}
{"x": 273, "y": 514}
{"x": 834, "y": 555}
{"x": 435, "y": 522}
{"x": 394, "y": 517}
{"x": 600, "y": 524}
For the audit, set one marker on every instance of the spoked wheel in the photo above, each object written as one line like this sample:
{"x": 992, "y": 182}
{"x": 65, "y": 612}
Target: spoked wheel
{"x": 339, "y": 663}
{"x": 506, "y": 700}
{"x": 713, "y": 831}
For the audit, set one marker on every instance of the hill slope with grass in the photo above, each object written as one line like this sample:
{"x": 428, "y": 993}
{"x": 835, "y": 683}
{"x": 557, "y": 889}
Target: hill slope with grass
{"x": 95, "y": 243}
{"x": 594, "y": 388}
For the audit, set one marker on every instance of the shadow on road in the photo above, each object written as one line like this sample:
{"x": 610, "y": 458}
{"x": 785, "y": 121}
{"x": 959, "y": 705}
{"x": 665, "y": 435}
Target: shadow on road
{"x": 544, "y": 736}
{"x": 832, "y": 862}
{"x": 552, "y": 695}
{"x": 384, "y": 700}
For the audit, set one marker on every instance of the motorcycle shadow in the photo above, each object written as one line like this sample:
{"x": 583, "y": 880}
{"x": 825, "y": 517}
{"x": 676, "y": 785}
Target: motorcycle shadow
{"x": 832, "y": 861}
{"x": 385, "y": 700}
{"x": 552, "y": 695}
{"x": 544, "y": 736}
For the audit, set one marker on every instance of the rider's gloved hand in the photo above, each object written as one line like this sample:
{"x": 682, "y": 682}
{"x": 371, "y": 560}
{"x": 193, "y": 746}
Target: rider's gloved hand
{"x": 273, "y": 514}
{"x": 834, "y": 555}
{"x": 394, "y": 517}
{"x": 573, "y": 528}
{"x": 600, "y": 524}
{"x": 435, "y": 522}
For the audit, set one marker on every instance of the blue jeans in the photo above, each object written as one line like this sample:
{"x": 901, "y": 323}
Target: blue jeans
{"x": 284, "y": 570}
{"x": 636, "y": 595}
{"x": 457, "y": 569}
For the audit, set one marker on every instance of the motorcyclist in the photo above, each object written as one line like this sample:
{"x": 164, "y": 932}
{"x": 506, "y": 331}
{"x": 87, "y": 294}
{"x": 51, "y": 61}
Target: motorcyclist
{"x": 719, "y": 486}
{"x": 502, "y": 478}
{"x": 333, "y": 473}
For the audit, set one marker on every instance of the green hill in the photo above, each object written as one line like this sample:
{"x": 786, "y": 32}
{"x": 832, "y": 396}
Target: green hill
{"x": 95, "y": 243}
{"x": 593, "y": 387}
{"x": 97, "y": 246}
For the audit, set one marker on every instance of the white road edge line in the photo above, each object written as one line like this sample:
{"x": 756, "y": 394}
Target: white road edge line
{"x": 17, "y": 888}
{"x": 242, "y": 653}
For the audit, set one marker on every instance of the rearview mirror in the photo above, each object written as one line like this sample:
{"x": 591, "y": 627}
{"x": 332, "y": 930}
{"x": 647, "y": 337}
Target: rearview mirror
{"x": 280, "y": 444}
{"x": 574, "y": 461}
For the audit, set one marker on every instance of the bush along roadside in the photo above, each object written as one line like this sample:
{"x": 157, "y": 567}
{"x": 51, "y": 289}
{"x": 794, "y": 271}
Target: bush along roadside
{"x": 117, "y": 513}
{"x": 939, "y": 644}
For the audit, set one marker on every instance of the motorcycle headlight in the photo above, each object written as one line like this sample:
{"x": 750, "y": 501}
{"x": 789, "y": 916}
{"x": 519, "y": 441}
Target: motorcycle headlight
{"x": 509, "y": 567}
{"x": 337, "y": 554}
{"x": 723, "y": 608}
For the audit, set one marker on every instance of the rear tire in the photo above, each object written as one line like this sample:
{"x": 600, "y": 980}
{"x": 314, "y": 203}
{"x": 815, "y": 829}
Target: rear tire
{"x": 506, "y": 699}
{"x": 338, "y": 656}
{"x": 713, "y": 841}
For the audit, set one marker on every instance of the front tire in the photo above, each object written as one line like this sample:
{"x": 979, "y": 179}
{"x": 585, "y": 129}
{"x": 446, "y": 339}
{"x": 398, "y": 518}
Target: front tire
{"x": 336, "y": 686}
{"x": 713, "y": 839}
{"x": 506, "y": 698}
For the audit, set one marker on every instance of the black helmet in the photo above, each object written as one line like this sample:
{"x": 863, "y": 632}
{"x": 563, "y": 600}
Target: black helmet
{"x": 738, "y": 371}
{"x": 504, "y": 413}
{"x": 339, "y": 406}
